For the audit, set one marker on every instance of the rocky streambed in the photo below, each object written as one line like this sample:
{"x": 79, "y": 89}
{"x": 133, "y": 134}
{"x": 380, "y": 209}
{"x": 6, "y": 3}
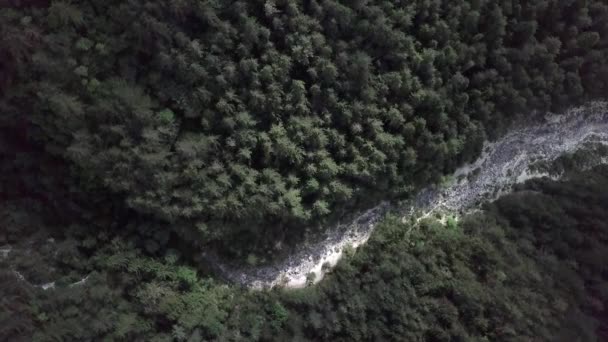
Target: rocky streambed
{"x": 503, "y": 163}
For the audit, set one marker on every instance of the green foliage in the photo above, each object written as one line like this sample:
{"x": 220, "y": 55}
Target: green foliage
{"x": 247, "y": 117}
{"x": 132, "y": 130}
{"x": 278, "y": 315}
{"x": 451, "y": 223}
{"x": 530, "y": 266}
{"x": 520, "y": 270}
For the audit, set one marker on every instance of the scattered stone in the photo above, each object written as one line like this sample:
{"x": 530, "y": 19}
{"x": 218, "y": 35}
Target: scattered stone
{"x": 501, "y": 165}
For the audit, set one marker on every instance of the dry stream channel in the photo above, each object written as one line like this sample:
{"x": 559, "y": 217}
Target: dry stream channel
{"x": 503, "y": 163}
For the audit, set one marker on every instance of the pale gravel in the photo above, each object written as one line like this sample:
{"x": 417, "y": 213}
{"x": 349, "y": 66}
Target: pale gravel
{"x": 502, "y": 164}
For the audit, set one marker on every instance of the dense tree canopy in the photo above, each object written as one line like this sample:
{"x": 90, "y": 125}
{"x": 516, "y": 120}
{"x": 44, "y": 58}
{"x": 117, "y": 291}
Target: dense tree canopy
{"x": 531, "y": 266}
{"x": 260, "y": 114}
{"x": 134, "y": 134}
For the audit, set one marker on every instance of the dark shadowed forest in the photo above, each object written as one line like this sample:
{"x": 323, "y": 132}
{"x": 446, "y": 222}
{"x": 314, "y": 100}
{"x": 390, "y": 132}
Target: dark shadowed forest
{"x": 530, "y": 266}
{"x": 135, "y": 134}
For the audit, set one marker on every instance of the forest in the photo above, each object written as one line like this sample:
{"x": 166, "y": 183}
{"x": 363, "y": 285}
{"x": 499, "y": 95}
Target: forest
{"x": 135, "y": 134}
{"x": 529, "y": 266}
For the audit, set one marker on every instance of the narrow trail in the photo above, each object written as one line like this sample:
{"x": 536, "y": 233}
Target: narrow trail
{"x": 503, "y": 163}
{"x": 5, "y": 252}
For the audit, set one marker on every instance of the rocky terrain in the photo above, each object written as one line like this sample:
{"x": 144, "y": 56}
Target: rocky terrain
{"x": 503, "y": 163}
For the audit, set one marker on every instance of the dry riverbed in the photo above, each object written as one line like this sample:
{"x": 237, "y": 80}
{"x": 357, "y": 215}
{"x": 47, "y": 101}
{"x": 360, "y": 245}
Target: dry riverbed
{"x": 502, "y": 164}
